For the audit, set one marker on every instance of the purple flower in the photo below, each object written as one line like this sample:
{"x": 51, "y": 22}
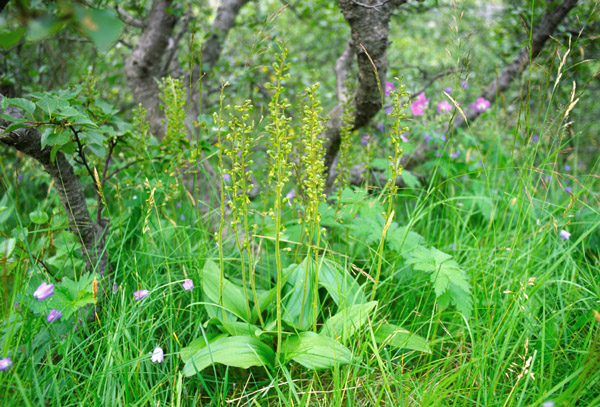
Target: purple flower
{"x": 564, "y": 235}
{"x": 443, "y": 138}
{"x": 19, "y": 177}
{"x": 53, "y": 315}
{"x": 426, "y": 137}
{"x": 481, "y": 105}
{"x": 444, "y": 107}
{"x": 44, "y": 291}
{"x": 140, "y": 294}
{"x": 5, "y": 364}
{"x": 464, "y": 84}
{"x": 290, "y": 195}
{"x": 448, "y": 90}
{"x": 569, "y": 190}
{"x": 404, "y": 138}
{"x": 389, "y": 87}
{"x": 455, "y": 154}
{"x": 366, "y": 139}
{"x": 178, "y": 205}
{"x": 535, "y": 138}
{"x": 381, "y": 126}
{"x": 188, "y": 285}
{"x": 182, "y": 217}
{"x": 226, "y": 177}
{"x": 548, "y": 404}
{"x": 567, "y": 168}
{"x": 157, "y": 355}
{"x": 115, "y": 288}
{"x": 548, "y": 178}
{"x": 418, "y": 106}
{"x": 388, "y": 110}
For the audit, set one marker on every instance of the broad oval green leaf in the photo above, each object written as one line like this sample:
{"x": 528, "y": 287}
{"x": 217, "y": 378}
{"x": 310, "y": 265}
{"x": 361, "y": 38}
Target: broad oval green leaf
{"x": 101, "y": 26}
{"x": 315, "y": 351}
{"x": 233, "y": 295}
{"x": 398, "y": 337}
{"x": 348, "y": 321}
{"x": 237, "y": 351}
{"x": 39, "y": 217}
{"x": 340, "y": 285}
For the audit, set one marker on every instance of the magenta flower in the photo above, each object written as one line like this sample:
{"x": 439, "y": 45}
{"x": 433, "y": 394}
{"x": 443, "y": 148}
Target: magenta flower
{"x": 455, "y": 154}
{"x": 464, "y": 84}
{"x": 481, "y": 105}
{"x": 366, "y": 139}
{"x": 44, "y": 291}
{"x": 389, "y": 87}
{"x": 444, "y": 107}
{"x": 188, "y": 285}
{"x": 140, "y": 294}
{"x": 418, "y": 106}
{"x": 53, "y": 315}
{"x": 157, "y": 355}
{"x": 226, "y": 177}
{"x": 5, "y": 364}
{"x": 404, "y": 138}
{"x": 564, "y": 235}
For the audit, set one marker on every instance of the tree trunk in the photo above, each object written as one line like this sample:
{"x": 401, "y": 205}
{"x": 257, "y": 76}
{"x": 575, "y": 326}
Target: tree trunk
{"x": 369, "y": 25}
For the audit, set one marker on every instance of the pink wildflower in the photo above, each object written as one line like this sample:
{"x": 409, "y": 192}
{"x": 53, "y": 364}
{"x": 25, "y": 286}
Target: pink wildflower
{"x": 444, "y": 107}
{"x": 481, "y": 105}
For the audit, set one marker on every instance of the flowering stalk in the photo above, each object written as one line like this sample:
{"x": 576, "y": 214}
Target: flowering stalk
{"x": 343, "y": 178}
{"x": 280, "y": 147}
{"x": 394, "y": 160}
{"x": 313, "y": 182}
{"x": 219, "y": 235}
{"x": 239, "y": 151}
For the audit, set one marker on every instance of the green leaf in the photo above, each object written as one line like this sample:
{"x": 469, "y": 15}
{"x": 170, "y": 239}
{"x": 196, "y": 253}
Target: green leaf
{"x": 9, "y": 39}
{"x": 410, "y": 180}
{"x": 51, "y": 104}
{"x": 101, "y": 26}
{"x": 237, "y": 351}
{"x": 43, "y": 27}
{"x": 348, "y": 321}
{"x": 21, "y": 103}
{"x": 341, "y": 286}
{"x": 198, "y": 344}
{"x": 315, "y": 351}
{"x": 233, "y": 295}
{"x": 55, "y": 136}
{"x": 402, "y": 241}
{"x": 299, "y": 293}
{"x": 398, "y": 337}
{"x": 38, "y": 217}
{"x": 16, "y": 126}
{"x": 7, "y": 246}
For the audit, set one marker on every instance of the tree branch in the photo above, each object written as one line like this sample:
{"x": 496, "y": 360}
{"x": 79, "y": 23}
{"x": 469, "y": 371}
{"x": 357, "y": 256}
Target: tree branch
{"x": 91, "y": 234}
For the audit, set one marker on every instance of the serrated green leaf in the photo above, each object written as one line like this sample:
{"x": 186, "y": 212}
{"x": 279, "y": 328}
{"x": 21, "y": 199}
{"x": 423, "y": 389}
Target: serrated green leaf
{"x": 16, "y": 126}
{"x": 398, "y": 337}
{"x": 237, "y": 351}
{"x": 21, "y": 103}
{"x": 348, "y": 321}
{"x": 410, "y": 180}
{"x": 315, "y": 351}
{"x": 402, "y": 240}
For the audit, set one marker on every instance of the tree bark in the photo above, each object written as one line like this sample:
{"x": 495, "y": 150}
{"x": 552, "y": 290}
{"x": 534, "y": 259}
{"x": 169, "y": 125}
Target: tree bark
{"x": 143, "y": 66}
{"x": 369, "y": 25}
{"x": 92, "y": 235}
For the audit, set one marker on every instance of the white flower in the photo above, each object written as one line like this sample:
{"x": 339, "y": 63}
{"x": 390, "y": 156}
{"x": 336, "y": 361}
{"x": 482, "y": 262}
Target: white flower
{"x": 157, "y": 355}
